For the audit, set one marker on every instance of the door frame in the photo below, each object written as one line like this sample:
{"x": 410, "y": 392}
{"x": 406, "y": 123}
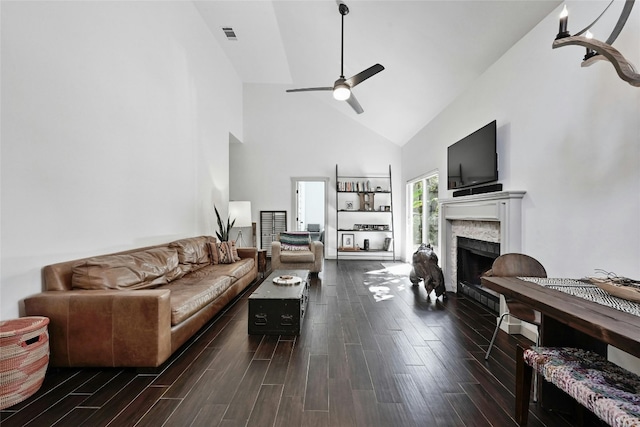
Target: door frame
{"x": 409, "y": 249}
{"x": 295, "y": 181}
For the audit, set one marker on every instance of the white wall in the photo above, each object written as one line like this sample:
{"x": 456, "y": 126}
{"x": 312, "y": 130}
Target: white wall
{"x": 300, "y": 135}
{"x": 115, "y": 131}
{"x": 568, "y": 136}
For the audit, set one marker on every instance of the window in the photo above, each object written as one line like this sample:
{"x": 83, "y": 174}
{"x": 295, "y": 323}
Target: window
{"x": 424, "y": 213}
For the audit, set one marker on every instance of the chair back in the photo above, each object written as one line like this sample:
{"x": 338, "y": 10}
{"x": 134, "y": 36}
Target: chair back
{"x": 513, "y": 264}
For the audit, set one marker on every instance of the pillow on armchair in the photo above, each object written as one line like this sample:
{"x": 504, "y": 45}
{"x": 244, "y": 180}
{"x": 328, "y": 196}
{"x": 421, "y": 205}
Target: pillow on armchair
{"x": 292, "y": 241}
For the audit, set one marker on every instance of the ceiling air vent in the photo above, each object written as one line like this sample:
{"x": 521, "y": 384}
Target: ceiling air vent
{"x": 228, "y": 31}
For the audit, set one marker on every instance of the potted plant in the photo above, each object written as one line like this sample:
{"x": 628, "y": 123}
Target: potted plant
{"x": 225, "y": 229}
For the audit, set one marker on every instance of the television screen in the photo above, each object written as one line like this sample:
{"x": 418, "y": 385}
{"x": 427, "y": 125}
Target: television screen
{"x": 473, "y": 160}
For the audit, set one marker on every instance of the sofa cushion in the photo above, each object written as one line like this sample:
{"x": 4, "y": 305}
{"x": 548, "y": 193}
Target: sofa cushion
{"x": 214, "y": 255}
{"x": 193, "y": 252}
{"x": 227, "y": 253}
{"x": 292, "y": 241}
{"x": 137, "y": 270}
{"x": 238, "y": 269}
{"x": 191, "y": 294}
{"x": 297, "y": 256}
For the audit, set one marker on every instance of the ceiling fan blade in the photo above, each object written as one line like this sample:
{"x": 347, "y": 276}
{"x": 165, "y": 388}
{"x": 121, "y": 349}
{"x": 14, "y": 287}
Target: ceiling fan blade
{"x": 364, "y": 75}
{"x": 309, "y": 89}
{"x": 355, "y": 104}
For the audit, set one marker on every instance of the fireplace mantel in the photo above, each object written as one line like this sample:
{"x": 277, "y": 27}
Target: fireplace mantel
{"x": 503, "y": 207}
{"x": 495, "y": 217}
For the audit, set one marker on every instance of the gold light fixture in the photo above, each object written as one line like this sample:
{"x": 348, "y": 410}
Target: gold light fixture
{"x": 597, "y": 50}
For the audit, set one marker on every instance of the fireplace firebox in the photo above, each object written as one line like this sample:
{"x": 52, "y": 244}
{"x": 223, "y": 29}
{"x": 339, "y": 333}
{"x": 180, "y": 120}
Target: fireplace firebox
{"x": 475, "y": 257}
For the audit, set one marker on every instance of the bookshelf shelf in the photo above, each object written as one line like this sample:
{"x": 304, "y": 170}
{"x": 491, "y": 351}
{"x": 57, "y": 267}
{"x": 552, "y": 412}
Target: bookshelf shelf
{"x": 364, "y": 216}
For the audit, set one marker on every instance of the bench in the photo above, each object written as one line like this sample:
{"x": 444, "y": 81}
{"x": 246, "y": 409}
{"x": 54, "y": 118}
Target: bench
{"x": 609, "y": 391}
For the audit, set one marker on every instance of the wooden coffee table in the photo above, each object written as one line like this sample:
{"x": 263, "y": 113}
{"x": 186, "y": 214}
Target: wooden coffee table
{"x": 279, "y": 309}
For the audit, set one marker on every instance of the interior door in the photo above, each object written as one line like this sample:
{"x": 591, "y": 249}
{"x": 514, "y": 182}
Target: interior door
{"x": 310, "y": 206}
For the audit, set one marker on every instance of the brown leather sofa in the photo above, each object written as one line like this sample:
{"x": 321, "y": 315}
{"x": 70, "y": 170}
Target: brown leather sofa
{"x": 135, "y": 308}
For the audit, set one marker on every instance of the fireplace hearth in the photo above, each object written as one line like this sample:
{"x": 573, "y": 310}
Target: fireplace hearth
{"x": 474, "y": 258}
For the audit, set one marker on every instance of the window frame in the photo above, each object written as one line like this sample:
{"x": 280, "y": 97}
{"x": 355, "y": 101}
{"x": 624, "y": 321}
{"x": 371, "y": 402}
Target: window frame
{"x": 430, "y": 221}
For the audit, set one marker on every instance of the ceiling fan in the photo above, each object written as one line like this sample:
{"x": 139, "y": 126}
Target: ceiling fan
{"x": 342, "y": 87}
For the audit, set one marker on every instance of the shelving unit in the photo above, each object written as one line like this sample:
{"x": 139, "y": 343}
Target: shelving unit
{"x": 364, "y": 213}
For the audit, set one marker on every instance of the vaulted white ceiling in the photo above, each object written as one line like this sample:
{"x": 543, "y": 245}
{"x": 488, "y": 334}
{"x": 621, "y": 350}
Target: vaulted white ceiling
{"x": 431, "y": 50}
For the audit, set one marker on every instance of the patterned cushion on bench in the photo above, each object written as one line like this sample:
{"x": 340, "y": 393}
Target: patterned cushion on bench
{"x": 607, "y": 390}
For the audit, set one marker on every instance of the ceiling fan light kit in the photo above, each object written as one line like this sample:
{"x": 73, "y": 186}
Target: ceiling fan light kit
{"x": 597, "y": 50}
{"x": 342, "y": 88}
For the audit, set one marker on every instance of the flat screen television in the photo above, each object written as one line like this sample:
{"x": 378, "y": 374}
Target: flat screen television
{"x": 473, "y": 160}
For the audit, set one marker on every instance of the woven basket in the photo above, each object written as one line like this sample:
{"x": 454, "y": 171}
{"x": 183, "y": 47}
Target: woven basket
{"x": 24, "y": 357}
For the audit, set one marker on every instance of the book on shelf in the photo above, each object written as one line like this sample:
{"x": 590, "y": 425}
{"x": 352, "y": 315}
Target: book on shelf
{"x": 355, "y": 186}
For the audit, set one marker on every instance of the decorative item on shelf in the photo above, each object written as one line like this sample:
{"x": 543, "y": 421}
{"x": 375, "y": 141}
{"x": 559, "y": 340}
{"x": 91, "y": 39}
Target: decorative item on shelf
{"x": 349, "y": 205}
{"x": 371, "y": 227}
{"x": 241, "y": 211}
{"x": 366, "y": 201}
{"x": 348, "y": 241}
{"x": 597, "y": 50}
{"x": 366, "y": 244}
{"x": 387, "y": 244}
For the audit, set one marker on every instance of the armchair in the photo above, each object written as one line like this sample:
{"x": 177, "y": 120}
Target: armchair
{"x": 296, "y": 250}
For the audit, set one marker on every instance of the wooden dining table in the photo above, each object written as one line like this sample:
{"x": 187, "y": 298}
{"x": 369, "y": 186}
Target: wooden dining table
{"x": 570, "y": 320}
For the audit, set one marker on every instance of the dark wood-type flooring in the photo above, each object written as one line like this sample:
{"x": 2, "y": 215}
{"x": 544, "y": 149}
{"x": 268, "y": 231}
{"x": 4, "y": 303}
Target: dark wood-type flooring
{"x": 373, "y": 352}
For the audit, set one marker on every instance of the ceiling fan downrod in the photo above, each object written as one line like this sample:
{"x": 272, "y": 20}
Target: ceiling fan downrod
{"x": 344, "y": 10}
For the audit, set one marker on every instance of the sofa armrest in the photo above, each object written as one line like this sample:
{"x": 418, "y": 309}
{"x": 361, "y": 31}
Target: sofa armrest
{"x": 248, "y": 253}
{"x": 317, "y": 247}
{"x": 106, "y": 327}
{"x": 276, "y": 248}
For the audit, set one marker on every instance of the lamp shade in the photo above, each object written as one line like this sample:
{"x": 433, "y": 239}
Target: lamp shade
{"x": 241, "y": 212}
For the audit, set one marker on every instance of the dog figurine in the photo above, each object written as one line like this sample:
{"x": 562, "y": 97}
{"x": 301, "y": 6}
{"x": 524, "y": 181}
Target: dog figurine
{"x": 425, "y": 267}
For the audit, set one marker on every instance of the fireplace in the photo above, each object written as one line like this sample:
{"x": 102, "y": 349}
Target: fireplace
{"x": 474, "y": 258}
{"x": 493, "y": 217}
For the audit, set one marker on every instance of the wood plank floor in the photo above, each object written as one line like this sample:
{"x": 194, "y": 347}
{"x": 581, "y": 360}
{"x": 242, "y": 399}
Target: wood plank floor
{"x": 373, "y": 352}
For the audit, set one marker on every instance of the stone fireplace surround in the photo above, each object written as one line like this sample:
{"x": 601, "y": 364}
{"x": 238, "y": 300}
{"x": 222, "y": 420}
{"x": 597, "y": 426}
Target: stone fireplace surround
{"x": 494, "y": 217}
